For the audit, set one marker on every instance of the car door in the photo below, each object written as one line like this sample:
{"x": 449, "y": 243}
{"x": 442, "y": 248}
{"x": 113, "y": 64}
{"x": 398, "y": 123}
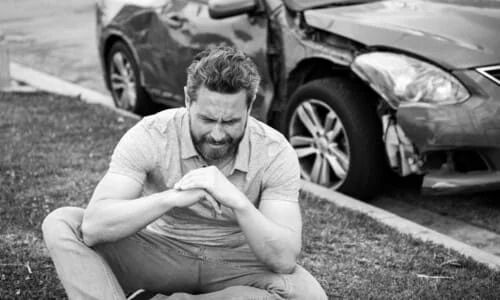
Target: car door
{"x": 191, "y": 30}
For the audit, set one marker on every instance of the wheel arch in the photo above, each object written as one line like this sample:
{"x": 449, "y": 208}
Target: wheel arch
{"x": 313, "y": 68}
{"x": 113, "y": 37}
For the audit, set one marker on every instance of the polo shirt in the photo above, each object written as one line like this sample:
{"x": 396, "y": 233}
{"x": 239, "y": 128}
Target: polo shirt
{"x": 158, "y": 151}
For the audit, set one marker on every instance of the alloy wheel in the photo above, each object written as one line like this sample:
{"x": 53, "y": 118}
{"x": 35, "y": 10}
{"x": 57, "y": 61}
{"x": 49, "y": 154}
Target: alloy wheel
{"x": 123, "y": 81}
{"x": 320, "y": 141}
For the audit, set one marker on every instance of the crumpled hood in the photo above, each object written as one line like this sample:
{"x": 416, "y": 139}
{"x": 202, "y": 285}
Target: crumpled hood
{"x": 457, "y": 36}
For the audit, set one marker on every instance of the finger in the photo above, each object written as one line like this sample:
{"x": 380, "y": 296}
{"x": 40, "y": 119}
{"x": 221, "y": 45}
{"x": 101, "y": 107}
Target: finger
{"x": 188, "y": 177}
{"x": 193, "y": 182}
{"x": 214, "y": 204}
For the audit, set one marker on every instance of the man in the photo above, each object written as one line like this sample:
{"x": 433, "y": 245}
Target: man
{"x": 199, "y": 202}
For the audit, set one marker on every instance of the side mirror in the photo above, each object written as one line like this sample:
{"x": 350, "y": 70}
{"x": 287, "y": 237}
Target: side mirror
{"x": 219, "y": 9}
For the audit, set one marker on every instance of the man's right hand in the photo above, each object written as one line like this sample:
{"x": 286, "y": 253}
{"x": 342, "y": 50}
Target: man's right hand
{"x": 185, "y": 198}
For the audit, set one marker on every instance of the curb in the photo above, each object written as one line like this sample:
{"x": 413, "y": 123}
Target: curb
{"x": 402, "y": 225}
{"x": 45, "y": 82}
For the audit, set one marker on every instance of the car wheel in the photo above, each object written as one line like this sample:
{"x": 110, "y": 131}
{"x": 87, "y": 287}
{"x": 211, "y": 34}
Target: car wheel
{"x": 337, "y": 136}
{"x": 124, "y": 80}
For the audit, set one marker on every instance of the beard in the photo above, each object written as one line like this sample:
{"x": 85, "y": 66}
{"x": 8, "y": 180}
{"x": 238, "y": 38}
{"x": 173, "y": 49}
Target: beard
{"x": 215, "y": 151}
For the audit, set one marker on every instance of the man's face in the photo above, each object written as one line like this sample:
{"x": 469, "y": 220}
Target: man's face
{"x": 217, "y": 123}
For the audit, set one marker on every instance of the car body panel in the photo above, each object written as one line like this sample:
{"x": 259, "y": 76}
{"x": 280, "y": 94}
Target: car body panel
{"x": 283, "y": 41}
{"x": 462, "y": 39}
{"x": 198, "y": 32}
{"x": 292, "y": 46}
{"x": 167, "y": 38}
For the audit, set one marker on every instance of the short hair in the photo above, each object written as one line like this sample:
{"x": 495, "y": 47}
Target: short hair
{"x": 224, "y": 70}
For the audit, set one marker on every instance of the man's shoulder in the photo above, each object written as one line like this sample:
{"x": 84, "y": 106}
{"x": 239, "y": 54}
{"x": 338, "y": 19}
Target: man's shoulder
{"x": 168, "y": 118}
{"x": 260, "y": 131}
{"x": 266, "y": 140}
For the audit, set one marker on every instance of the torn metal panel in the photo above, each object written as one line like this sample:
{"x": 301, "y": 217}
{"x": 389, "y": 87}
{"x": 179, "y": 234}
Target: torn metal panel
{"x": 295, "y": 42}
{"x": 399, "y": 148}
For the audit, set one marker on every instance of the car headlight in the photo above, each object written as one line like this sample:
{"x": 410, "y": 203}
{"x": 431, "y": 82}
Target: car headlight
{"x": 401, "y": 79}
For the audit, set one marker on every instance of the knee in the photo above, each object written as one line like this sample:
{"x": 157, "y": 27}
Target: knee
{"x": 61, "y": 223}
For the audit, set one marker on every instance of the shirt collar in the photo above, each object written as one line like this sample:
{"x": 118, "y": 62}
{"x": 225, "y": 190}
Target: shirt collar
{"x": 243, "y": 152}
{"x": 188, "y": 150}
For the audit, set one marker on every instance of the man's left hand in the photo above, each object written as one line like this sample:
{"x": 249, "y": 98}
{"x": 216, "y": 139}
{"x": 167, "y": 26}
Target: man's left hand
{"x": 214, "y": 182}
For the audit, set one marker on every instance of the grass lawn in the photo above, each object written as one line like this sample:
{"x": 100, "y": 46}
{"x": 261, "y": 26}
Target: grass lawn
{"x": 55, "y": 149}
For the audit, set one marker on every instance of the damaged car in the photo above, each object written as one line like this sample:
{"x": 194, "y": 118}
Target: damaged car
{"x": 360, "y": 88}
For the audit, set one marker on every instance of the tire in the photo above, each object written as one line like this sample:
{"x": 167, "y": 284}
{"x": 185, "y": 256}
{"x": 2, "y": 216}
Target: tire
{"x": 123, "y": 76}
{"x": 348, "y": 156}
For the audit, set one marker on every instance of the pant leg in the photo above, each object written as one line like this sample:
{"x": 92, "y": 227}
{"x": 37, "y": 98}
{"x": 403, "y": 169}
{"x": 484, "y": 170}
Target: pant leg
{"x": 140, "y": 261}
{"x": 265, "y": 284}
{"x": 229, "y": 293}
{"x": 237, "y": 274}
{"x": 83, "y": 273}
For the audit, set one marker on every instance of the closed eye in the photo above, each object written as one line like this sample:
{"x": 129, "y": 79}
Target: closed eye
{"x": 227, "y": 122}
{"x": 230, "y": 122}
{"x": 208, "y": 120}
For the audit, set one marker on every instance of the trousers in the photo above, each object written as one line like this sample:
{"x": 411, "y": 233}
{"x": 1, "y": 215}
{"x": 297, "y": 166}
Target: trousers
{"x": 173, "y": 268}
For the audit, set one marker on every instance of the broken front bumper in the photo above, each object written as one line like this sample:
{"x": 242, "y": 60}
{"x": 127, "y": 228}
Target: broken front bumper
{"x": 472, "y": 125}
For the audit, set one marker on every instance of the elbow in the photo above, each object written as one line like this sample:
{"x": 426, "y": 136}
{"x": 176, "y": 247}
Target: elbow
{"x": 89, "y": 236}
{"x": 285, "y": 265}
{"x": 284, "y": 268}
{"x": 287, "y": 261}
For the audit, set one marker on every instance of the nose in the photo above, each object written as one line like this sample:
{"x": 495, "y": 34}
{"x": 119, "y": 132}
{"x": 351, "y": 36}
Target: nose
{"x": 217, "y": 134}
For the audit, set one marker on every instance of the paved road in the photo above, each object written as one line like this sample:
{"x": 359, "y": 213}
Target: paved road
{"x": 53, "y": 36}
{"x": 58, "y": 37}
{"x": 476, "y": 236}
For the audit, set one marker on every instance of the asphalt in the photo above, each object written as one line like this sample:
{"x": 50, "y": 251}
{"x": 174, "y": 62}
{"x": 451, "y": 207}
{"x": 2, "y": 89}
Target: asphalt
{"x": 43, "y": 81}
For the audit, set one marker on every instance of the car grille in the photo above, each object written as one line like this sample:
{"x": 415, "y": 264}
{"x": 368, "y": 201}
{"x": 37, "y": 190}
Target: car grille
{"x": 492, "y": 73}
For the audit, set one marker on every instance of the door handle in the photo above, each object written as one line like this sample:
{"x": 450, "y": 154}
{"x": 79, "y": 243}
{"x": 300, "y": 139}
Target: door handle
{"x": 175, "y": 20}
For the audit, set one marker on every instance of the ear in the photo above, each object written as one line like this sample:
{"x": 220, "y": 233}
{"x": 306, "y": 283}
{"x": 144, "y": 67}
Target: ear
{"x": 187, "y": 101}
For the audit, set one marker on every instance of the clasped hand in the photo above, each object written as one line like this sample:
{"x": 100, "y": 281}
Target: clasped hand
{"x": 219, "y": 190}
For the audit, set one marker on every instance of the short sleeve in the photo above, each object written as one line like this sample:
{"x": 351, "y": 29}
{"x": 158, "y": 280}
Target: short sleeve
{"x": 134, "y": 155}
{"x": 281, "y": 180}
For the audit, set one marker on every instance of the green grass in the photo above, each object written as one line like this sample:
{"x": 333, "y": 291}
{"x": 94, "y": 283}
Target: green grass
{"x": 54, "y": 150}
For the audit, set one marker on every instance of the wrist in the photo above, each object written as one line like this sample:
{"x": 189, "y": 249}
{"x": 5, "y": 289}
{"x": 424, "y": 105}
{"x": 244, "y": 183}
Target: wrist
{"x": 168, "y": 199}
{"x": 243, "y": 206}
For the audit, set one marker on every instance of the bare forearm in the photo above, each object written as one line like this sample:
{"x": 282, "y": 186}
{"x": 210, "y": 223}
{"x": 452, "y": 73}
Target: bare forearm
{"x": 275, "y": 245}
{"x": 114, "y": 219}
